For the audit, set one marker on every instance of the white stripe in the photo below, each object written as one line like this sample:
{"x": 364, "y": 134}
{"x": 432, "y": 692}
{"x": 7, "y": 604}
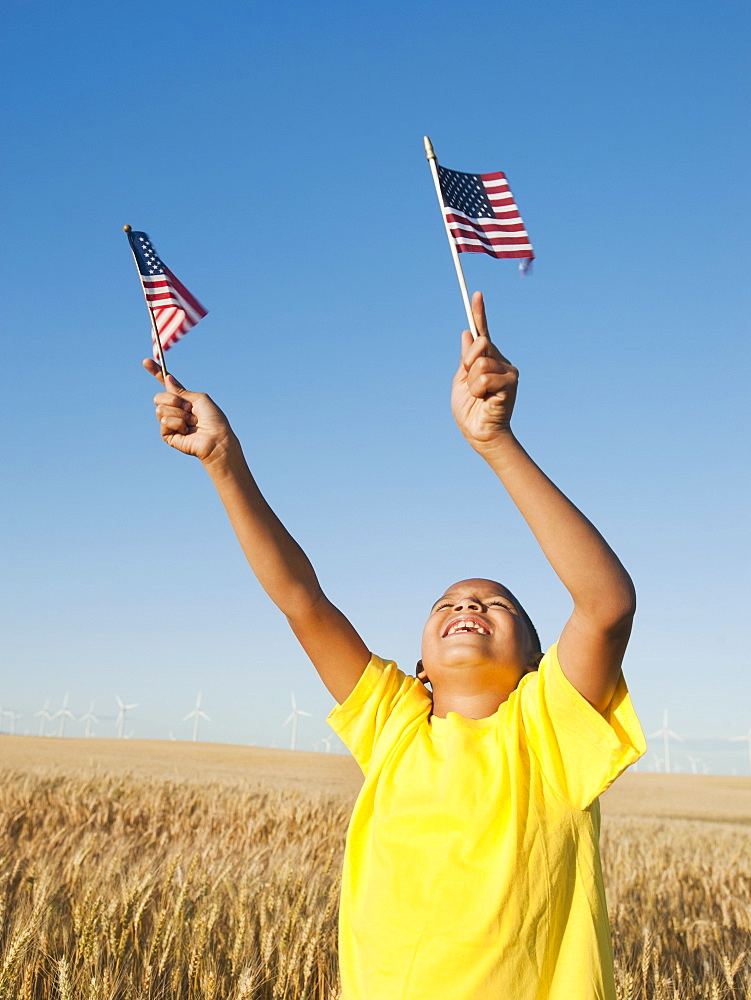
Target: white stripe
{"x": 492, "y": 237}
{"x": 497, "y": 183}
{"x": 163, "y": 303}
{"x": 193, "y": 315}
{"x": 482, "y": 222}
{"x": 172, "y": 298}
{"x": 461, "y": 237}
{"x": 169, "y": 322}
{"x": 461, "y": 230}
{"x": 501, "y": 249}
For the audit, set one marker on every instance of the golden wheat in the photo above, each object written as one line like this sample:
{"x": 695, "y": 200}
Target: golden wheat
{"x": 117, "y": 888}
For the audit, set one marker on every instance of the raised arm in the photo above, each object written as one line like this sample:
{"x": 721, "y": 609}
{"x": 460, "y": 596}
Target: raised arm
{"x": 593, "y": 641}
{"x": 193, "y": 424}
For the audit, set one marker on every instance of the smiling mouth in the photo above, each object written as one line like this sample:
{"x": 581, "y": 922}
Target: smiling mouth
{"x": 460, "y": 625}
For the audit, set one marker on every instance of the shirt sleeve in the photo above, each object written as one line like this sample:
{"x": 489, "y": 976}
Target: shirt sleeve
{"x": 383, "y": 702}
{"x": 581, "y": 752}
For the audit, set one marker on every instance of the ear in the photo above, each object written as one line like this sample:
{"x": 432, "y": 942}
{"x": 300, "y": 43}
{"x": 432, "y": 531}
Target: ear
{"x": 534, "y": 663}
{"x": 420, "y": 673}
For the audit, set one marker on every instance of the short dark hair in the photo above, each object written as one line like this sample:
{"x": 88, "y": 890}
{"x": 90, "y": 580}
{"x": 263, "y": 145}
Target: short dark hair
{"x": 527, "y": 621}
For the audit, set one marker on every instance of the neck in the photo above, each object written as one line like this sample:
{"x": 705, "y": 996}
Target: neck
{"x": 470, "y": 704}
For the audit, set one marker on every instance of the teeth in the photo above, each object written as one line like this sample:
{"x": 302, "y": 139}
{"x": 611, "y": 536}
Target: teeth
{"x": 467, "y": 626}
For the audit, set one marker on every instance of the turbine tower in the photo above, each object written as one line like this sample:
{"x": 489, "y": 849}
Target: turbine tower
{"x": 121, "y": 715}
{"x": 744, "y": 739}
{"x": 44, "y": 712}
{"x": 196, "y": 714}
{"x": 657, "y": 762}
{"x": 293, "y": 719}
{"x": 694, "y": 762}
{"x": 666, "y": 734}
{"x": 63, "y": 713}
{"x": 14, "y": 717}
{"x": 89, "y": 717}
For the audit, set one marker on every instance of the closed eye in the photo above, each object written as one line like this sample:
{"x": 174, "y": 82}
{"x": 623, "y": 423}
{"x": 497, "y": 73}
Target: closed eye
{"x": 440, "y": 607}
{"x": 501, "y": 604}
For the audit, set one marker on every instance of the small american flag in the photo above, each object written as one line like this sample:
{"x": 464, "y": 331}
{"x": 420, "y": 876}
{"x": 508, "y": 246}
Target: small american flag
{"x": 174, "y": 309}
{"x": 482, "y": 216}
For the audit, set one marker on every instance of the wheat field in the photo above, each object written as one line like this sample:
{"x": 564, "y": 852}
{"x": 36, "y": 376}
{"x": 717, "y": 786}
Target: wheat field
{"x": 138, "y": 887}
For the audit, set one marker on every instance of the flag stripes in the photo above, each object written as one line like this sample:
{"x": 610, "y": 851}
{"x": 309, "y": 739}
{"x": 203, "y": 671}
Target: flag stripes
{"x": 481, "y": 214}
{"x": 174, "y": 308}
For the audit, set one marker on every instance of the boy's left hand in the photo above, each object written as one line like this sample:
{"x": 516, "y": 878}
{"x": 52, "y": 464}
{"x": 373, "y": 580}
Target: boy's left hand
{"x": 484, "y": 388}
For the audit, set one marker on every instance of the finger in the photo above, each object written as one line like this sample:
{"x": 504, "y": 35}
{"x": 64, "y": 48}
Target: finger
{"x": 478, "y": 312}
{"x": 461, "y": 372}
{"x": 174, "y": 425}
{"x": 486, "y": 384}
{"x": 492, "y": 366}
{"x": 153, "y": 369}
{"x": 163, "y": 410}
{"x": 481, "y": 321}
{"x": 467, "y": 341}
{"x": 173, "y": 383}
{"x": 169, "y": 399}
{"x": 482, "y": 348}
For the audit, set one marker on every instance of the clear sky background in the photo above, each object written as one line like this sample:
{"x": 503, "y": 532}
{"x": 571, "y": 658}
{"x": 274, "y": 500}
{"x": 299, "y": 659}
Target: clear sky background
{"x": 274, "y": 155}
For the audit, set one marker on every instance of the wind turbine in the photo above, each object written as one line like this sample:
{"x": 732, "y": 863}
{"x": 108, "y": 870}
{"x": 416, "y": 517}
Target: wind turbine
{"x": 45, "y": 716}
{"x": 293, "y": 719}
{"x": 326, "y": 740}
{"x": 666, "y": 734}
{"x": 121, "y": 715}
{"x": 90, "y": 717}
{"x": 694, "y": 762}
{"x": 744, "y": 739}
{"x": 63, "y": 713}
{"x": 196, "y": 714}
{"x": 657, "y": 762}
{"x": 14, "y": 717}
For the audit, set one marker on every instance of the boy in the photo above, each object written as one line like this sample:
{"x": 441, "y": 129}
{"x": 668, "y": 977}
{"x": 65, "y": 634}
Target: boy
{"x": 472, "y": 869}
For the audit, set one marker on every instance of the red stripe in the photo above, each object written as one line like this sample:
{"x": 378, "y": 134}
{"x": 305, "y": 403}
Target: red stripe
{"x": 183, "y": 292}
{"x": 496, "y": 235}
{"x": 490, "y": 240}
{"x": 488, "y": 227}
{"x": 493, "y": 253}
{"x": 162, "y": 298}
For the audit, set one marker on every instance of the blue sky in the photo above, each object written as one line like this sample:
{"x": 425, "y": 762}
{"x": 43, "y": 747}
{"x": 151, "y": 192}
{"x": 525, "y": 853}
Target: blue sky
{"x": 274, "y": 155}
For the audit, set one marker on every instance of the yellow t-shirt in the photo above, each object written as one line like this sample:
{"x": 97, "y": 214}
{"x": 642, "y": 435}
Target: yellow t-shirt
{"x": 472, "y": 868}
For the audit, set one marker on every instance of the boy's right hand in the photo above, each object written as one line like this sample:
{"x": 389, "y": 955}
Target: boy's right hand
{"x": 190, "y": 421}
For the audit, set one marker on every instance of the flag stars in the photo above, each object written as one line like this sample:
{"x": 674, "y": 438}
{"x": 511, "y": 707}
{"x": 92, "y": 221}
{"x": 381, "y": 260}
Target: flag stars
{"x": 465, "y": 193}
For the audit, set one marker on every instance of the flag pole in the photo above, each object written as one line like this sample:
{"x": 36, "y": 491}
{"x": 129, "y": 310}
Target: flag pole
{"x": 454, "y": 253}
{"x": 155, "y": 331}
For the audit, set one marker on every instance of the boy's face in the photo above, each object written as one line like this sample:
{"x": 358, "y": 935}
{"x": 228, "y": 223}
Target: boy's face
{"x": 476, "y": 624}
